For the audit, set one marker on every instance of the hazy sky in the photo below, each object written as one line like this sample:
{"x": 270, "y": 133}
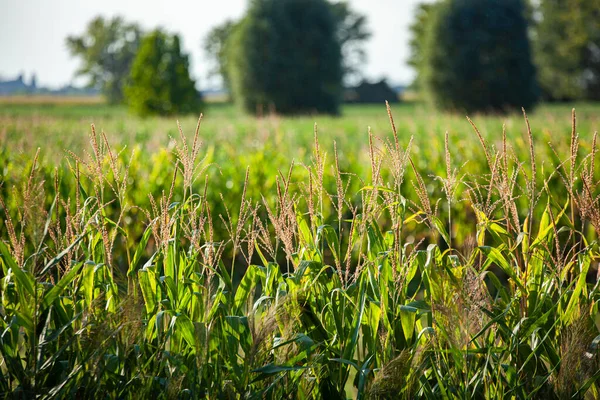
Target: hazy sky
{"x": 33, "y": 32}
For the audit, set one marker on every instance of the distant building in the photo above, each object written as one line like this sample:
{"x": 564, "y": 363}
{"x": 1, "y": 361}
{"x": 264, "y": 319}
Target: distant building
{"x": 18, "y": 86}
{"x": 367, "y": 92}
{"x": 15, "y": 86}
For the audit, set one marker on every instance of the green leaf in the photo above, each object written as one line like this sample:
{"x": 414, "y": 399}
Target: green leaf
{"x": 378, "y": 188}
{"x": 331, "y": 237}
{"x": 546, "y": 229}
{"x": 148, "y": 285}
{"x": 439, "y": 226}
{"x": 88, "y": 283}
{"x": 56, "y": 291}
{"x": 185, "y": 328}
{"x": 271, "y": 369}
{"x": 63, "y": 253}
{"x": 352, "y": 345}
{"x": 247, "y": 284}
{"x": 495, "y": 256}
{"x": 584, "y": 265}
{"x": 408, "y": 316}
{"x": 23, "y": 278}
{"x": 139, "y": 251}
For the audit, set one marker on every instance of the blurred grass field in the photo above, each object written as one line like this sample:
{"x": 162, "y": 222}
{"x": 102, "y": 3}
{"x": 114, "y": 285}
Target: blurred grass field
{"x": 59, "y": 123}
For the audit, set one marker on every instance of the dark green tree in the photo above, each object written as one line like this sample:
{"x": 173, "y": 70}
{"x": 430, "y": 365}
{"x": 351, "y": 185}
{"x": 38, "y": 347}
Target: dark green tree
{"x": 106, "y": 49}
{"x": 567, "y": 48}
{"x": 160, "y": 81}
{"x": 351, "y": 32}
{"x": 477, "y": 56}
{"x": 285, "y": 54}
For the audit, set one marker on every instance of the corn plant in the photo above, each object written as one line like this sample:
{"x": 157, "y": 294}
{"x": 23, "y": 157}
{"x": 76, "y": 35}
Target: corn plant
{"x": 394, "y": 284}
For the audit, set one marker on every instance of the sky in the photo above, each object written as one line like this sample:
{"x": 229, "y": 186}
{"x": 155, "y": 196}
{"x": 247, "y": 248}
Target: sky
{"x": 33, "y": 32}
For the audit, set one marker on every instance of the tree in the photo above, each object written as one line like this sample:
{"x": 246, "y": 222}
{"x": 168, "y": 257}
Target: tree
{"x": 418, "y": 30}
{"x": 567, "y": 48}
{"x": 160, "y": 82}
{"x": 106, "y": 49}
{"x": 478, "y": 58}
{"x": 285, "y": 54}
{"x": 351, "y": 32}
{"x": 215, "y": 47}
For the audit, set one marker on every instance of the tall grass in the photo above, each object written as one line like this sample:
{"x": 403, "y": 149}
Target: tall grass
{"x": 380, "y": 282}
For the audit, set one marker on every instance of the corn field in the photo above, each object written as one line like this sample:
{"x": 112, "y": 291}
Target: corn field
{"x": 380, "y": 282}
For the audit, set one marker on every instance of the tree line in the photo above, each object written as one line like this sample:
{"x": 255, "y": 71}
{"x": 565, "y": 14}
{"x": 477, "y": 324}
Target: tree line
{"x": 290, "y": 55}
{"x": 147, "y": 71}
{"x": 294, "y": 56}
{"x": 497, "y": 55}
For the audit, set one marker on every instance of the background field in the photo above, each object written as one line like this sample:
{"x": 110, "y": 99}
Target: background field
{"x": 54, "y": 126}
{"x": 233, "y": 142}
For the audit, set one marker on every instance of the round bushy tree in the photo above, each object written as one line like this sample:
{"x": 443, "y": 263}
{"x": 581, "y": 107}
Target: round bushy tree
{"x": 477, "y": 56}
{"x": 285, "y": 54}
{"x": 160, "y": 82}
{"x": 566, "y": 44}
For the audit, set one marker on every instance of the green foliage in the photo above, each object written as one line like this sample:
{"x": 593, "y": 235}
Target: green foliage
{"x": 160, "y": 81}
{"x": 285, "y": 55}
{"x": 414, "y": 278}
{"x": 477, "y": 56}
{"x": 564, "y": 37}
{"x": 215, "y": 47}
{"x": 418, "y": 31}
{"x": 106, "y": 50}
{"x": 351, "y": 32}
{"x": 567, "y": 39}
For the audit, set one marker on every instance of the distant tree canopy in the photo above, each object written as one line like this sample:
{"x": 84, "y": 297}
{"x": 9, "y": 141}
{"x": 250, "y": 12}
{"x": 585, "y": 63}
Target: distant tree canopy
{"x": 477, "y": 56}
{"x": 285, "y": 54}
{"x": 565, "y": 42}
{"x": 106, "y": 49}
{"x": 419, "y": 29}
{"x": 567, "y": 48}
{"x": 160, "y": 82}
{"x": 351, "y": 32}
{"x": 215, "y": 48}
